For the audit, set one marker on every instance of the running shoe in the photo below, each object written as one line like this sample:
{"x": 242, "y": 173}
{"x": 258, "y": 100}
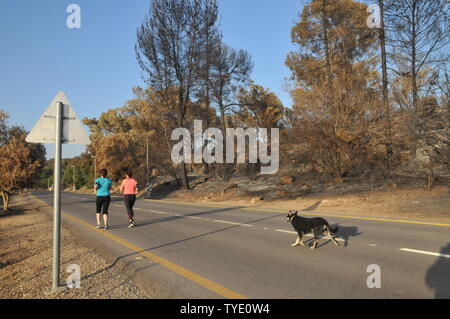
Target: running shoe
{"x": 97, "y": 227}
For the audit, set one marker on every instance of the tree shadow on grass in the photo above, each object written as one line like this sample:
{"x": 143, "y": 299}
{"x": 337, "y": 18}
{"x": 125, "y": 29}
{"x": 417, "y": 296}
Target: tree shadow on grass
{"x": 312, "y": 207}
{"x": 15, "y": 211}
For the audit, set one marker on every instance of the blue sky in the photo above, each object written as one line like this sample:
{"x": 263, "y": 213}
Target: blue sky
{"x": 96, "y": 66}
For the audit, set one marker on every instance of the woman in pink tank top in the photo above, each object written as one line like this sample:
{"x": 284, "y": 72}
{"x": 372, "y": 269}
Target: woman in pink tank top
{"x": 129, "y": 190}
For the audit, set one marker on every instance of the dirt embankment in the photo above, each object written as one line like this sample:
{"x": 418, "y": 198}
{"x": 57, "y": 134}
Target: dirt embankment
{"x": 26, "y": 259}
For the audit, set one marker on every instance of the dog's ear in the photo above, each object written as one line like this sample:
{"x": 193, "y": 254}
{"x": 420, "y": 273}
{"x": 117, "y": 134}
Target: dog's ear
{"x": 296, "y": 212}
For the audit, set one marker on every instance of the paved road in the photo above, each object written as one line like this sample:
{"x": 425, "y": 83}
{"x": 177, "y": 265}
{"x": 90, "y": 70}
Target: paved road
{"x": 219, "y": 250}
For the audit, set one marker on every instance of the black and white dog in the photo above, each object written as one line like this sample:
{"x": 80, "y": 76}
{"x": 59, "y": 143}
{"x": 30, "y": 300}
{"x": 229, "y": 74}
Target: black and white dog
{"x": 316, "y": 226}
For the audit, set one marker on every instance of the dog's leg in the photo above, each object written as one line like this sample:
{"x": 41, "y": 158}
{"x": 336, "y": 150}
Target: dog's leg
{"x": 316, "y": 240}
{"x": 334, "y": 241}
{"x": 332, "y": 238}
{"x": 297, "y": 242}
{"x": 314, "y": 245}
{"x": 301, "y": 241}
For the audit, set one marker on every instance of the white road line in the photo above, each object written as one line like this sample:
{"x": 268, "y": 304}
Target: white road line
{"x": 220, "y": 221}
{"x": 286, "y": 231}
{"x": 156, "y": 212}
{"x": 425, "y": 252}
{"x": 232, "y": 223}
{"x": 308, "y": 235}
{"x": 194, "y": 217}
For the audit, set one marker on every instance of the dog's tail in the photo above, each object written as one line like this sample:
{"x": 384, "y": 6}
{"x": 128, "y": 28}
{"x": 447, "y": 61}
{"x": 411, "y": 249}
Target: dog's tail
{"x": 332, "y": 230}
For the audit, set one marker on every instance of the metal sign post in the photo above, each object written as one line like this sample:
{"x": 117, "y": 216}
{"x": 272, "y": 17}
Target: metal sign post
{"x": 59, "y": 125}
{"x": 57, "y": 194}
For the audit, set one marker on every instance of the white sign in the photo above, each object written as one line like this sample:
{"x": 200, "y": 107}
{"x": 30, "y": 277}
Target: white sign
{"x": 73, "y": 130}
{"x": 374, "y": 20}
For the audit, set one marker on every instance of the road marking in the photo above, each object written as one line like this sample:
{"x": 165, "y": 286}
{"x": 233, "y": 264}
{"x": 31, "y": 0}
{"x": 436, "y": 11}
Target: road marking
{"x": 307, "y": 235}
{"x": 379, "y": 219}
{"x": 202, "y": 281}
{"x": 286, "y": 231}
{"x": 185, "y": 203}
{"x": 225, "y": 222}
{"x": 156, "y": 212}
{"x": 232, "y": 223}
{"x": 275, "y": 211}
{"x": 425, "y": 252}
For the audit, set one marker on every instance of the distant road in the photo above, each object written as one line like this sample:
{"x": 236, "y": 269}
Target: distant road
{"x": 216, "y": 252}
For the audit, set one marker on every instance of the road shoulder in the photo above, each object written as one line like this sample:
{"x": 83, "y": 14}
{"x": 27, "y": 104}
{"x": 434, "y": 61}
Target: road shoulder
{"x": 26, "y": 257}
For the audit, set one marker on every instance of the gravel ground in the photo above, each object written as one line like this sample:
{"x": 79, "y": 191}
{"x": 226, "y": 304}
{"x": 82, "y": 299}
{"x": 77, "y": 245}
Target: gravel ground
{"x": 26, "y": 259}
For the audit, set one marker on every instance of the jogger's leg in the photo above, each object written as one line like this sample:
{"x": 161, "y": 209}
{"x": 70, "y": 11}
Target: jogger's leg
{"x": 98, "y": 204}
{"x": 105, "y": 208}
{"x": 128, "y": 206}
{"x": 132, "y": 202}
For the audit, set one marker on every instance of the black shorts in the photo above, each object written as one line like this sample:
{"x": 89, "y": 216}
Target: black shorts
{"x": 129, "y": 203}
{"x": 103, "y": 204}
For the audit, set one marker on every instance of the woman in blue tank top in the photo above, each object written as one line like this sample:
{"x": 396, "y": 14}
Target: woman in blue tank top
{"x": 102, "y": 187}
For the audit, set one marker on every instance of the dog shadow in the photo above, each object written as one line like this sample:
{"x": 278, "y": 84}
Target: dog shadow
{"x": 310, "y": 241}
{"x": 345, "y": 232}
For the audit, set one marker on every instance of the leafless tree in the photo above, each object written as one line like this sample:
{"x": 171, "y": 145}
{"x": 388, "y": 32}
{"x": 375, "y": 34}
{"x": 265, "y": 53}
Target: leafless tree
{"x": 169, "y": 49}
{"x": 434, "y": 122}
{"x": 230, "y": 69}
{"x": 417, "y": 32}
{"x": 385, "y": 90}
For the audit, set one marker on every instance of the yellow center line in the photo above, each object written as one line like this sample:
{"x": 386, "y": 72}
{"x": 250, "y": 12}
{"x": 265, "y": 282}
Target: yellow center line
{"x": 274, "y": 211}
{"x": 202, "y": 281}
{"x": 380, "y": 219}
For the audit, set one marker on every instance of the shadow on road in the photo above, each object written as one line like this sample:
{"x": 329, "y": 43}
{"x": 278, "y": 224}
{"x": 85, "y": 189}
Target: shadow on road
{"x": 345, "y": 232}
{"x": 176, "y": 217}
{"x": 200, "y": 235}
{"x": 438, "y": 276}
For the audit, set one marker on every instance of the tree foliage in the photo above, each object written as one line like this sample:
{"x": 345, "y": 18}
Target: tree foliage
{"x": 20, "y": 162}
{"x": 335, "y": 84}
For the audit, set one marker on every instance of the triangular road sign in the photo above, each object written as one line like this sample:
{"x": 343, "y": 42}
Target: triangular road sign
{"x": 45, "y": 129}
